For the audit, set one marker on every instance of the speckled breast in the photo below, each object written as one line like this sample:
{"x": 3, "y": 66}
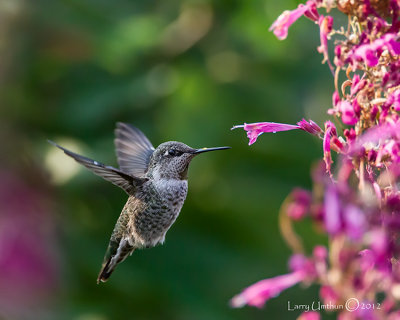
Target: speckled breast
{"x": 164, "y": 201}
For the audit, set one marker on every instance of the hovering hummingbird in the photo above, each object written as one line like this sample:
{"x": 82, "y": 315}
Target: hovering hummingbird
{"x": 156, "y": 183}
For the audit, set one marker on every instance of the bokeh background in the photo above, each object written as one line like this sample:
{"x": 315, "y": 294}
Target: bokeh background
{"x": 178, "y": 70}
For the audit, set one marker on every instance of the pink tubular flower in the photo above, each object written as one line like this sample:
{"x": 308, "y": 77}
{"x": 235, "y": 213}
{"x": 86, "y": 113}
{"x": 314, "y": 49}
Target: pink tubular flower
{"x": 396, "y": 100}
{"x": 380, "y": 248}
{"x": 28, "y": 248}
{"x": 348, "y": 115}
{"x": 337, "y": 58}
{"x": 370, "y": 53}
{"x": 258, "y": 293}
{"x": 332, "y": 218}
{"x": 328, "y": 294}
{"x": 330, "y": 130}
{"x": 299, "y": 262}
{"x": 310, "y": 127}
{"x": 357, "y": 84}
{"x": 367, "y": 260}
{"x": 335, "y": 98}
{"x": 312, "y": 12}
{"x": 300, "y": 205}
{"x": 281, "y": 25}
{"x": 355, "y": 222}
{"x": 256, "y": 129}
{"x": 309, "y": 315}
{"x": 320, "y": 253}
{"x": 325, "y": 26}
{"x": 376, "y": 135}
{"x": 357, "y": 205}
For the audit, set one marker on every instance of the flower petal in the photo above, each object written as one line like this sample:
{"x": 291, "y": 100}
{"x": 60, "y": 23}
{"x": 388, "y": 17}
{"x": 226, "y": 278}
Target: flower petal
{"x": 325, "y": 25}
{"x": 370, "y": 52}
{"x": 258, "y": 293}
{"x": 300, "y": 204}
{"x": 332, "y": 219}
{"x": 355, "y": 222}
{"x": 376, "y": 135}
{"x": 255, "y": 129}
{"x": 310, "y": 127}
{"x": 281, "y": 25}
{"x": 309, "y": 315}
{"x": 330, "y": 130}
{"x": 348, "y": 114}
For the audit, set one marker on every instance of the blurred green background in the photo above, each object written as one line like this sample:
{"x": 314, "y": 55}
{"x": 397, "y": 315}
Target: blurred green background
{"x": 178, "y": 70}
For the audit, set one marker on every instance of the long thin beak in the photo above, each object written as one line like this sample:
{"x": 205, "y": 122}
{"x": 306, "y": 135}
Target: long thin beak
{"x": 209, "y": 149}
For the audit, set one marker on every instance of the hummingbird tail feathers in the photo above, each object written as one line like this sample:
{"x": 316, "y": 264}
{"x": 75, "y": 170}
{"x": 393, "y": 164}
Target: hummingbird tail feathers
{"x": 104, "y": 275}
{"x": 112, "y": 259}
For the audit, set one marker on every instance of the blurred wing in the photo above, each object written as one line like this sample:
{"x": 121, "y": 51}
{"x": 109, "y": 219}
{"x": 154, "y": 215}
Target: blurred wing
{"x": 133, "y": 149}
{"x": 115, "y": 176}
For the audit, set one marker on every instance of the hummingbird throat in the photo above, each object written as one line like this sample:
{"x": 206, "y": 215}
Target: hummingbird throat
{"x": 184, "y": 173}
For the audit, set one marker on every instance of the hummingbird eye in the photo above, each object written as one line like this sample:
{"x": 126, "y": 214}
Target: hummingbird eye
{"x": 174, "y": 153}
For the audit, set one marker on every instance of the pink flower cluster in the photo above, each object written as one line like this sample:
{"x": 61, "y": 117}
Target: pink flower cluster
{"x": 355, "y": 202}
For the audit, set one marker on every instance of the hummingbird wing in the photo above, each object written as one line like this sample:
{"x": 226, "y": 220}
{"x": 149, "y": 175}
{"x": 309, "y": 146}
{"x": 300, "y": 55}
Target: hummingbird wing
{"x": 133, "y": 149}
{"x": 115, "y": 176}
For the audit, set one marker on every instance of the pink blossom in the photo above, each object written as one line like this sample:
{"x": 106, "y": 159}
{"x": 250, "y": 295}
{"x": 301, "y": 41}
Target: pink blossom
{"x": 393, "y": 100}
{"x": 364, "y": 313}
{"x": 367, "y": 260}
{"x": 258, "y": 293}
{"x": 354, "y": 82}
{"x": 335, "y": 98}
{"x": 330, "y": 130}
{"x": 325, "y": 27}
{"x": 348, "y": 115}
{"x": 392, "y": 77}
{"x": 338, "y": 55}
{"x": 281, "y": 25}
{"x": 300, "y": 205}
{"x": 332, "y": 217}
{"x": 345, "y": 172}
{"x": 370, "y": 53}
{"x": 337, "y": 144}
{"x": 297, "y": 262}
{"x": 310, "y": 127}
{"x": 358, "y": 204}
{"x": 374, "y": 112}
{"x": 328, "y": 294}
{"x": 256, "y": 129}
{"x": 389, "y": 150}
{"x": 28, "y": 247}
{"x": 380, "y": 248}
{"x": 356, "y": 108}
{"x": 309, "y": 315}
{"x": 350, "y": 135}
{"x": 320, "y": 253}
{"x": 355, "y": 222}
{"x": 396, "y": 100}
{"x": 357, "y": 85}
{"x": 312, "y": 12}
{"x": 376, "y": 135}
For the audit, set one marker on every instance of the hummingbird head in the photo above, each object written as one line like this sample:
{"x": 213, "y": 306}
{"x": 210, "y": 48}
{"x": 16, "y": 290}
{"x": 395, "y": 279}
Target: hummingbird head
{"x": 171, "y": 160}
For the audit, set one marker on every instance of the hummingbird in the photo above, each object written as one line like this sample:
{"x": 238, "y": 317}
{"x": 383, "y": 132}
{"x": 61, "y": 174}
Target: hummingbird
{"x": 156, "y": 182}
